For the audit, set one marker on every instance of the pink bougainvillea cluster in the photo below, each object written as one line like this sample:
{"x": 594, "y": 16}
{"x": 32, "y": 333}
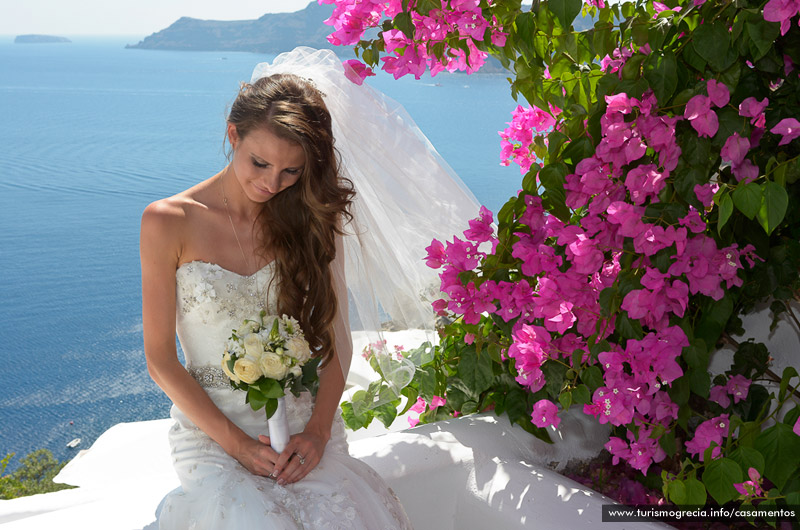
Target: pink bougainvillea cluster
{"x": 555, "y": 301}
{"x": 456, "y": 26}
{"x": 517, "y": 138}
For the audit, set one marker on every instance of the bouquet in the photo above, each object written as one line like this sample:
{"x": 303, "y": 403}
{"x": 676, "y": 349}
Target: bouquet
{"x": 264, "y": 357}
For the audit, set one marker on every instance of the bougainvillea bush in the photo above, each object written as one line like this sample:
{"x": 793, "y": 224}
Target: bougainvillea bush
{"x": 659, "y": 154}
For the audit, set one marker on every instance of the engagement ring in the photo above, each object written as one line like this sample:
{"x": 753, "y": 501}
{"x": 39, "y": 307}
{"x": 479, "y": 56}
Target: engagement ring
{"x": 302, "y": 460}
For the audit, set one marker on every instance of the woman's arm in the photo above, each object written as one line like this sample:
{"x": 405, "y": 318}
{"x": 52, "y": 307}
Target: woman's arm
{"x": 163, "y": 223}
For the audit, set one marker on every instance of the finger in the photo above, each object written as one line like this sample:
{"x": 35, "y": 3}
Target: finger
{"x": 303, "y": 468}
{"x": 284, "y": 458}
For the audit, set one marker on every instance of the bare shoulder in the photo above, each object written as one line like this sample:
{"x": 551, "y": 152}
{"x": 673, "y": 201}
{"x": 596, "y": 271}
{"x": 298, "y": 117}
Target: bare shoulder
{"x": 166, "y": 224}
{"x": 169, "y": 213}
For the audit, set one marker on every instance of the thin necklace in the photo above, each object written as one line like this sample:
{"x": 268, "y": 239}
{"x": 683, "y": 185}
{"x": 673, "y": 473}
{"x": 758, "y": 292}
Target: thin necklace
{"x": 228, "y": 211}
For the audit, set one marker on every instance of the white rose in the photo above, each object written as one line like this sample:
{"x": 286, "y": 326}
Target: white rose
{"x": 247, "y": 370}
{"x": 272, "y": 366}
{"x": 297, "y": 347}
{"x": 253, "y": 345}
{"x": 231, "y": 375}
{"x": 296, "y": 370}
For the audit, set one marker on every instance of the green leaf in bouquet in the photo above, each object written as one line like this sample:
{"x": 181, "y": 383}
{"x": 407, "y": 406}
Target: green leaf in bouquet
{"x": 256, "y": 399}
{"x": 270, "y": 388}
{"x": 270, "y": 407}
{"x": 274, "y": 333}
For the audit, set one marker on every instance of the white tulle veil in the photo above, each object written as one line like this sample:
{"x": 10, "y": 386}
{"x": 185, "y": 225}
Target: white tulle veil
{"x": 406, "y": 195}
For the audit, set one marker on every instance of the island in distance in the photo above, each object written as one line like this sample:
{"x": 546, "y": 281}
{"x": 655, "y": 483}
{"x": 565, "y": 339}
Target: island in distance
{"x": 39, "y": 39}
{"x": 272, "y": 33}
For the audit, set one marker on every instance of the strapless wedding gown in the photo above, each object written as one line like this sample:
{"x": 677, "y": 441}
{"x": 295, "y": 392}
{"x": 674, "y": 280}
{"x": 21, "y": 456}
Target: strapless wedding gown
{"x": 216, "y": 491}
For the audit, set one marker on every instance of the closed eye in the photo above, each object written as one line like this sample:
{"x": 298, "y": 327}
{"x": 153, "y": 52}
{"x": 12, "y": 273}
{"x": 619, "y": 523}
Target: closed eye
{"x": 259, "y": 164}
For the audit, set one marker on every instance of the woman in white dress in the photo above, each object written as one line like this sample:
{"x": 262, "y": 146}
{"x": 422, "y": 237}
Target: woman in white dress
{"x": 263, "y": 232}
{"x": 290, "y": 227}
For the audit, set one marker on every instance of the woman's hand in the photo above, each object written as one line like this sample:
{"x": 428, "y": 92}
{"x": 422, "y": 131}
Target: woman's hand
{"x": 257, "y": 456}
{"x": 301, "y": 455}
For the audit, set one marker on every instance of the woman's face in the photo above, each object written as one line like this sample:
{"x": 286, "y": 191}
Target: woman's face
{"x": 265, "y": 164}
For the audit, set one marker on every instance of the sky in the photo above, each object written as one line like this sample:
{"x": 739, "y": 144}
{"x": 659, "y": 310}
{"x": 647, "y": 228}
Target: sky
{"x": 125, "y": 17}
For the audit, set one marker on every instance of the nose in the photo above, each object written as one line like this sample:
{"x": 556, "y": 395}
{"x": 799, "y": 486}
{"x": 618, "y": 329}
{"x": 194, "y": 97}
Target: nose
{"x": 272, "y": 181}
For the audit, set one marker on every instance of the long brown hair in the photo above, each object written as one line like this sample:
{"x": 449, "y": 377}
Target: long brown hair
{"x": 299, "y": 225}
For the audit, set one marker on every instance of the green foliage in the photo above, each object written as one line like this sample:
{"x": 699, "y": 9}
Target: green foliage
{"x": 35, "y": 475}
{"x": 674, "y": 54}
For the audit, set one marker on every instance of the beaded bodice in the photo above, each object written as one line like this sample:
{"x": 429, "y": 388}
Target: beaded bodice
{"x": 211, "y": 302}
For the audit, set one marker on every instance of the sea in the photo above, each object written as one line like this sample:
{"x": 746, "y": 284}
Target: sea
{"x": 90, "y": 133}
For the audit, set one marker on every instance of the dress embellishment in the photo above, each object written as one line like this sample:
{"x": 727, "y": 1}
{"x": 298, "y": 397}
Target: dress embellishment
{"x": 210, "y": 377}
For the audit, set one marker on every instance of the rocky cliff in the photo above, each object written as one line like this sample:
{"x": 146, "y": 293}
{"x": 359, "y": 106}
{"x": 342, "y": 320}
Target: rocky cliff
{"x": 272, "y": 33}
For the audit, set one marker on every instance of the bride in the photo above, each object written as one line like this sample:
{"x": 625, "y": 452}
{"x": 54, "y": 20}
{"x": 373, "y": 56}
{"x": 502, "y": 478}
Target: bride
{"x": 279, "y": 229}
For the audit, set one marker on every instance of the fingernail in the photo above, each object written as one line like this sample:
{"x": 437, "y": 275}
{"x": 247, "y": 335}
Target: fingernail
{"x": 281, "y": 482}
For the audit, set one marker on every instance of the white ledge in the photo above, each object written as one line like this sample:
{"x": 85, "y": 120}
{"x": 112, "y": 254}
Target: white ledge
{"x": 472, "y": 472}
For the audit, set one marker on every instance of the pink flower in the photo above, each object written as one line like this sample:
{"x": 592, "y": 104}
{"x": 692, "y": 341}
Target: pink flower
{"x": 436, "y": 255}
{"x": 413, "y": 421}
{"x": 718, "y": 93}
{"x": 789, "y": 128}
{"x": 746, "y": 171}
{"x": 693, "y": 221}
{"x": 437, "y": 402}
{"x": 735, "y": 149}
{"x": 545, "y": 414}
{"x": 705, "y": 193}
{"x": 796, "y": 428}
{"x": 781, "y": 11}
{"x": 529, "y": 350}
{"x": 618, "y": 448}
{"x": 419, "y": 406}
{"x": 480, "y": 229}
{"x": 356, "y": 71}
{"x": 752, "y": 487}
{"x": 754, "y": 109}
{"x": 738, "y": 386}
{"x": 708, "y": 432}
{"x": 703, "y": 119}
{"x": 719, "y": 394}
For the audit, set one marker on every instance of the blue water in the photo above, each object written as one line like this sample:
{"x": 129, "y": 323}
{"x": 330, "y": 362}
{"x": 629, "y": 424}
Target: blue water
{"x": 90, "y": 133}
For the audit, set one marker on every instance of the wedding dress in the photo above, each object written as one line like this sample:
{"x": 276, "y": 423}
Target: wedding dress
{"x": 216, "y": 491}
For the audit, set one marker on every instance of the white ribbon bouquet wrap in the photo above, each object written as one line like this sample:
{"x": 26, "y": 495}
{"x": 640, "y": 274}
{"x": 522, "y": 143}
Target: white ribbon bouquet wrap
{"x": 264, "y": 357}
